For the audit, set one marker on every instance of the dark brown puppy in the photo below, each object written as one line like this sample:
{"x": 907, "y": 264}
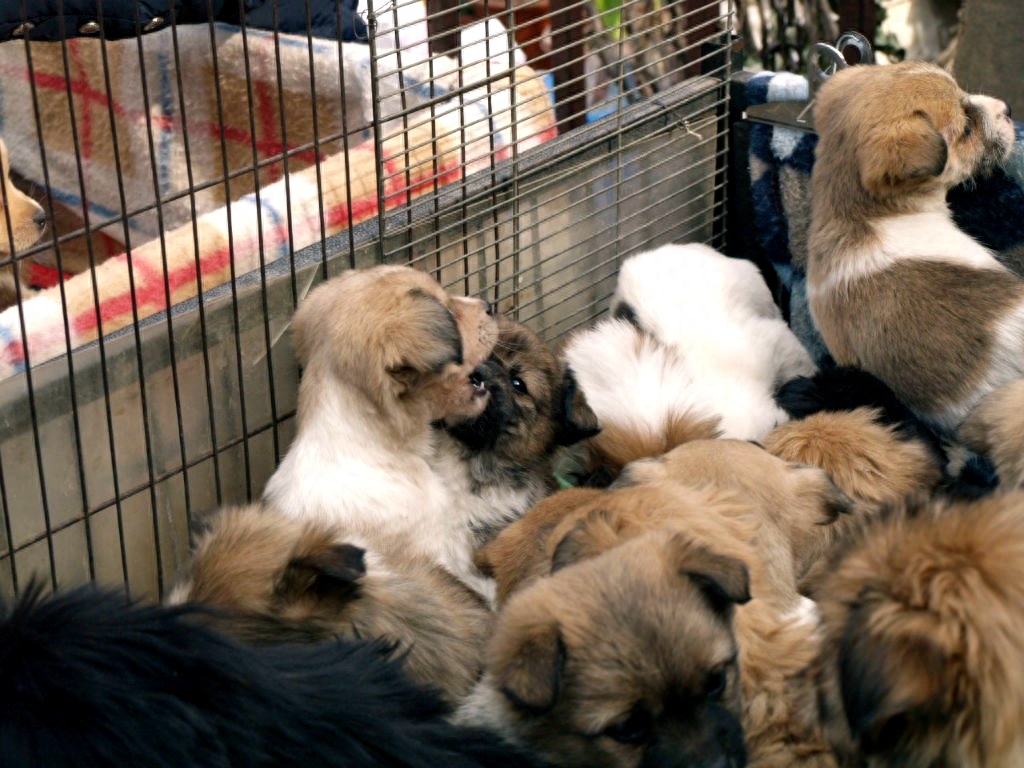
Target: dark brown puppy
{"x": 922, "y": 660}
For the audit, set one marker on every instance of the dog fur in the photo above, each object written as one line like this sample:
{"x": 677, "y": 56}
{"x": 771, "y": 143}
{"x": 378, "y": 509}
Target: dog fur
{"x": 87, "y": 680}
{"x": 500, "y": 463}
{"x": 640, "y": 390}
{"x": 27, "y": 224}
{"x": 718, "y": 315}
{"x": 626, "y": 659}
{"x": 894, "y": 286}
{"x": 276, "y": 579}
{"x": 923, "y": 625}
{"x": 996, "y": 428}
{"x": 386, "y": 355}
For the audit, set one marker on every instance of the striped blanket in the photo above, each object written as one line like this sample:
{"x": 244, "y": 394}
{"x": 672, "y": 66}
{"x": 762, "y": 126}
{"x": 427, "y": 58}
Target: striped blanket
{"x": 161, "y": 134}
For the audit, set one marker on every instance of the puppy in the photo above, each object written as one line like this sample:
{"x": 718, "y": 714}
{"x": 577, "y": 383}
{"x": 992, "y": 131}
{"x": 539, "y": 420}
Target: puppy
{"x": 386, "y": 354}
{"x": 276, "y": 579}
{"x": 923, "y": 638}
{"x": 800, "y": 512}
{"x": 88, "y": 680}
{"x": 641, "y": 391}
{"x": 626, "y": 659}
{"x": 27, "y": 224}
{"x": 996, "y": 428}
{"x": 717, "y": 314}
{"x": 893, "y": 285}
{"x": 775, "y": 636}
{"x": 499, "y": 463}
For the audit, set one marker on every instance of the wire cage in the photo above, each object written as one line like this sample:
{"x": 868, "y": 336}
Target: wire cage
{"x": 202, "y": 167}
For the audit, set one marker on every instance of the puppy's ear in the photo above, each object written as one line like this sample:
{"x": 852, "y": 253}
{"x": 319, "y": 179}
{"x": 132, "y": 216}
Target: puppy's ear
{"x": 900, "y": 156}
{"x": 724, "y": 580}
{"x": 323, "y": 571}
{"x": 887, "y": 683}
{"x": 597, "y": 532}
{"x": 575, "y": 420}
{"x": 425, "y": 342}
{"x": 530, "y": 674}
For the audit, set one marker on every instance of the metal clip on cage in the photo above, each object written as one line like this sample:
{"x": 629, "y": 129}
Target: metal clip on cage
{"x": 823, "y": 61}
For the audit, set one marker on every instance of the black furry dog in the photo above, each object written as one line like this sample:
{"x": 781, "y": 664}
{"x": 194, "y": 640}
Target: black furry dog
{"x": 87, "y": 679}
{"x": 844, "y": 388}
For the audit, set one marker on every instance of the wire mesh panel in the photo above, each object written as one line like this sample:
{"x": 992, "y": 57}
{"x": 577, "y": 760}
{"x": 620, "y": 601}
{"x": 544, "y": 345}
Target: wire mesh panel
{"x": 200, "y": 168}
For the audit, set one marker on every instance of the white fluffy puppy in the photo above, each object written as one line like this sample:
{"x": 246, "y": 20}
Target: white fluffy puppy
{"x": 642, "y": 392}
{"x": 718, "y": 315}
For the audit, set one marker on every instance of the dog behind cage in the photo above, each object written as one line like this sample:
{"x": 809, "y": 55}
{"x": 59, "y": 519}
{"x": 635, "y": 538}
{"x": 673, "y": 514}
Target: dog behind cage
{"x": 200, "y": 168}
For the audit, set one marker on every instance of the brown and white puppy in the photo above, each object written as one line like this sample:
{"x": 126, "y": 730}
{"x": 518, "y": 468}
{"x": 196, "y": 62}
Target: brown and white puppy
{"x": 277, "y": 579}
{"x": 27, "y": 223}
{"x": 996, "y": 428}
{"x": 800, "y": 509}
{"x": 627, "y": 659}
{"x": 386, "y": 353}
{"x": 640, "y": 390}
{"x": 499, "y": 464}
{"x": 922, "y": 660}
{"x": 894, "y": 286}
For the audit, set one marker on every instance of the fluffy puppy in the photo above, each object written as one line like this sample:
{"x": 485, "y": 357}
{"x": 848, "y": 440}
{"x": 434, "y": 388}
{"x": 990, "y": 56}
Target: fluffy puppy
{"x": 275, "y": 579}
{"x": 800, "y": 510}
{"x": 867, "y": 459}
{"x": 996, "y": 428}
{"x": 88, "y": 680}
{"x": 386, "y": 354}
{"x": 718, "y": 315}
{"x": 27, "y": 223}
{"x": 641, "y": 391}
{"x": 923, "y": 620}
{"x": 893, "y": 285}
{"x": 623, "y": 660}
{"x": 499, "y": 463}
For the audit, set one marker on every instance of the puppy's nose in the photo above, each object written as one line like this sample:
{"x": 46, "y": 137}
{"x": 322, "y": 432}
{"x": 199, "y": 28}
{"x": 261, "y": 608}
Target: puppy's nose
{"x": 39, "y": 219}
{"x": 1008, "y": 112}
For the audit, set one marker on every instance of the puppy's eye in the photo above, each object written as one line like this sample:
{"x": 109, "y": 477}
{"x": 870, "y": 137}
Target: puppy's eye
{"x": 634, "y": 730}
{"x": 969, "y": 125}
{"x": 518, "y": 385}
{"x": 715, "y": 682}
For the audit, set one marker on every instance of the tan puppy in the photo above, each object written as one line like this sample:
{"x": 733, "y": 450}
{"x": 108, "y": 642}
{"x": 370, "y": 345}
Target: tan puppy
{"x": 775, "y": 632}
{"x": 800, "y": 510}
{"x": 868, "y": 460}
{"x": 386, "y": 354}
{"x": 624, "y": 660}
{"x": 894, "y": 286}
{"x": 996, "y": 428}
{"x": 275, "y": 579}
{"x": 923, "y": 655}
{"x": 27, "y": 223}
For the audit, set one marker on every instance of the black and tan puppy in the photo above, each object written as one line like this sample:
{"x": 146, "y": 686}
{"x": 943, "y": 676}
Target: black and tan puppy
{"x": 271, "y": 579}
{"x": 627, "y": 659}
{"x": 88, "y": 681}
{"x": 923, "y": 623}
{"x": 498, "y": 464}
{"x": 894, "y": 286}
